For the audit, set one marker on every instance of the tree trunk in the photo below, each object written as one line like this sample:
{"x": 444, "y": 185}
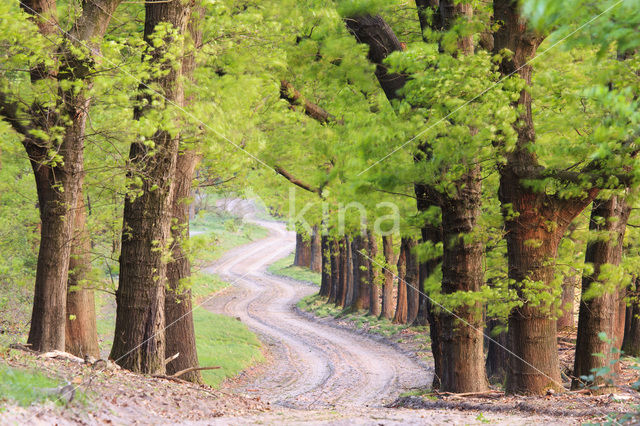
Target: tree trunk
{"x": 528, "y": 215}
{"x": 631, "y": 343}
{"x": 599, "y": 314}
{"x": 387, "y": 287}
{"x": 411, "y": 279}
{"x": 401, "y": 300}
{"x": 81, "y": 332}
{"x": 343, "y": 265}
{"x": 316, "y": 250}
{"x": 180, "y": 332}
{"x": 569, "y": 283}
{"x": 335, "y": 270}
{"x": 349, "y": 271}
{"x": 58, "y": 186}
{"x": 462, "y": 271}
{"x": 374, "y": 272}
{"x": 325, "y": 278}
{"x": 139, "y": 339}
{"x": 303, "y": 250}
{"x": 363, "y": 284}
{"x": 497, "y": 356}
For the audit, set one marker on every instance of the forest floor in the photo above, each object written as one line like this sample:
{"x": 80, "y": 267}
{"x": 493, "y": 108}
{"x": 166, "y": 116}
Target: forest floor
{"x": 317, "y": 370}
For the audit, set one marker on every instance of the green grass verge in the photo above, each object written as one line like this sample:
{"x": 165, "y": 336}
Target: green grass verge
{"x": 284, "y": 267}
{"x": 224, "y": 342}
{"x": 24, "y": 387}
{"x": 318, "y": 306}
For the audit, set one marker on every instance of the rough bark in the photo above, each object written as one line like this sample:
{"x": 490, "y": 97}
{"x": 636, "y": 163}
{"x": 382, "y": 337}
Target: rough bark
{"x": 462, "y": 271}
{"x": 387, "y": 287}
{"x": 303, "y": 250}
{"x": 316, "y": 250}
{"x": 139, "y": 340}
{"x": 599, "y": 314}
{"x": 374, "y": 272}
{"x": 382, "y": 41}
{"x": 532, "y": 328}
{"x": 400, "y": 316}
{"x": 81, "y": 336}
{"x": 180, "y": 332}
{"x": 58, "y": 186}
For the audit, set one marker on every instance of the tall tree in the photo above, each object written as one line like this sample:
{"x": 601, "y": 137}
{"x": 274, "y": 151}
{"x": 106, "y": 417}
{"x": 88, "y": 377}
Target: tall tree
{"x": 180, "y": 332}
{"x": 139, "y": 339}
{"x": 53, "y": 135}
{"x": 528, "y": 214}
{"x": 599, "y": 309}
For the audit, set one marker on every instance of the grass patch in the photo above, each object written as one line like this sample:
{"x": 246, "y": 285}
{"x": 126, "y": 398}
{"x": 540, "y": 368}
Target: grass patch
{"x": 214, "y": 233}
{"x": 284, "y": 267}
{"x": 225, "y": 342}
{"x": 25, "y": 387}
{"x": 318, "y": 306}
{"x": 204, "y": 284}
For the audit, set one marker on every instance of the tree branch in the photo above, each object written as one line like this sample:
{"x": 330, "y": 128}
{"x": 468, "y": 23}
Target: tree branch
{"x": 289, "y": 93}
{"x": 282, "y": 172}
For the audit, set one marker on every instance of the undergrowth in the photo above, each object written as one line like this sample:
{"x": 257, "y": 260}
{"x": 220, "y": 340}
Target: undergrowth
{"x": 318, "y": 306}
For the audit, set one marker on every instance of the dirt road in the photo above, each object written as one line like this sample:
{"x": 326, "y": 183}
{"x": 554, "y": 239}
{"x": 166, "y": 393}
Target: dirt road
{"x": 315, "y": 365}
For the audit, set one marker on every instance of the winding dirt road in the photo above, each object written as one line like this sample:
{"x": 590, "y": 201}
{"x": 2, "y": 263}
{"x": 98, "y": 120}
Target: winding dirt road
{"x": 315, "y": 366}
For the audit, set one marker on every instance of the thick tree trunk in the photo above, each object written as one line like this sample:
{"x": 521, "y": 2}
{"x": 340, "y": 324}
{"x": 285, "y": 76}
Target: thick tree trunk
{"x": 600, "y": 313}
{"x": 48, "y": 318}
{"x": 81, "y": 332}
{"x": 139, "y": 338}
{"x": 401, "y": 300}
{"x": 316, "y": 250}
{"x": 180, "y": 333}
{"x": 363, "y": 284}
{"x": 569, "y": 284}
{"x": 387, "y": 287}
{"x": 462, "y": 271}
{"x": 374, "y": 273}
{"x": 528, "y": 215}
{"x": 325, "y": 277}
{"x": 303, "y": 250}
{"x": 335, "y": 270}
{"x": 58, "y": 186}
